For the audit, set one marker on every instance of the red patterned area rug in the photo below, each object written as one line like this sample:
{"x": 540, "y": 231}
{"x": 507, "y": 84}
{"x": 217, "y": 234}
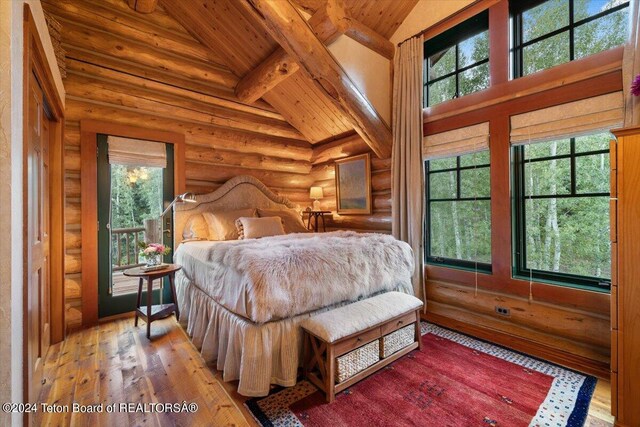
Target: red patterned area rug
{"x": 454, "y": 380}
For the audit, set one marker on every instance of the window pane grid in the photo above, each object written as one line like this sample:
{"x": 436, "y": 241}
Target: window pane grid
{"x": 459, "y": 229}
{"x": 573, "y": 156}
{"x": 462, "y": 168}
{"x": 563, "y": 236}
{"x": 456, "y": 61}
{"x": 458, "y": 71}
{"x": 566, "y": 156}
{"x": 520, "y": 66}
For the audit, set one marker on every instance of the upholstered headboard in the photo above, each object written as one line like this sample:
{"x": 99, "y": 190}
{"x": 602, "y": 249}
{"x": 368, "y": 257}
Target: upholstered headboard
{"x": 240, "y": 192}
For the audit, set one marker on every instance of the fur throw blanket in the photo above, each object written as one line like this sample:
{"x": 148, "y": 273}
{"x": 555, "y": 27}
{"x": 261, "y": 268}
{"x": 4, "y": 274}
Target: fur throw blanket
{"x": 283, "y": 276}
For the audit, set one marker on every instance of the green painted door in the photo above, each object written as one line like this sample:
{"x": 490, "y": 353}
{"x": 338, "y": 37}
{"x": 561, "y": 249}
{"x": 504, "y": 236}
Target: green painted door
{"x": 120, "y": 227}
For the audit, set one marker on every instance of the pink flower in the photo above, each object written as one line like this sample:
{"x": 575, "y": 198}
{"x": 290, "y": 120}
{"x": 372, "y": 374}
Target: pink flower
{"x": 635, "y": 86}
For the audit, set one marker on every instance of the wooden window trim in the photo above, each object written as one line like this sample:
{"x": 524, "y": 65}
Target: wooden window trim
{"x": 498, "y": 115}
{"x": 591, "y": 76}
{"x": 89, "y": 129}
{"x": 593, "y": 66}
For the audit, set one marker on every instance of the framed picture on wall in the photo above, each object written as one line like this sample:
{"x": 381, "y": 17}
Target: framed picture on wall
{"x": 353, "y": 185}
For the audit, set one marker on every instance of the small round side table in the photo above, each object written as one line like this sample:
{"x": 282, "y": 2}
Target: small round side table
{"x": 159, "y": 311}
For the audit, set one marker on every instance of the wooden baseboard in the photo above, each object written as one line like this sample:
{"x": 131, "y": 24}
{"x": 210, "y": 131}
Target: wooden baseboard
{"x": 535, "y": 349}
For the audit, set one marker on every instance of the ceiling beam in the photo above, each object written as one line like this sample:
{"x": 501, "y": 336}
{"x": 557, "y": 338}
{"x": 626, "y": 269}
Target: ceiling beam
{"x": 143, "y": 6}
{"x": 328, "y": 22}
{"x": 310, "y": 6}
{"x": 354, "y": 29}
{"x": 279, "y": 65}
{"x": 364, "y": 35}
{"x": 288, "y": 27}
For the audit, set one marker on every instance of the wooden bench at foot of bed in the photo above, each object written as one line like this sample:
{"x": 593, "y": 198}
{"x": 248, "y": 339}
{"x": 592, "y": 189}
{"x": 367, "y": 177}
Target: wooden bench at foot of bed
{"x": 347, "y": 344}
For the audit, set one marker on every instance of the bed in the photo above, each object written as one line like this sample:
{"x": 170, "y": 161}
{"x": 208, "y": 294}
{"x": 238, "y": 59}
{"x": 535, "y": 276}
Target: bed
{"x": 241, "y": 301}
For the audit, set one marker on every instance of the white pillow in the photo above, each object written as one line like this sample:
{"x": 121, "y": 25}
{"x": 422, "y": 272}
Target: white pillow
{"x": 253, "y": 228}
{"x": 222, "y": 225}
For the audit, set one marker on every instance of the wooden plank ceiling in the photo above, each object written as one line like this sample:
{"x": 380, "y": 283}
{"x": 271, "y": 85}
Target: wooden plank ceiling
{"x": 206, "y": 47}
{"x": 243, "y": 44}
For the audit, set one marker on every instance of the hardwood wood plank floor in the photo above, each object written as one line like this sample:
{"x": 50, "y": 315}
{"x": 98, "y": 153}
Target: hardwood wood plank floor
{"x": 115, "y": 363}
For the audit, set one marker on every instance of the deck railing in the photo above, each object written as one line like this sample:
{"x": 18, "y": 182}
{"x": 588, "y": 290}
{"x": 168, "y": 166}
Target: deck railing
{"x": 124, "y": 243}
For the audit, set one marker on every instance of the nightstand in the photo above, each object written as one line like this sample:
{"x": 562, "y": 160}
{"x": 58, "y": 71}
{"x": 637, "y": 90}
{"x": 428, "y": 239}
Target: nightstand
{"x": 316, "y": 215}
{"x": 159, "y": 311}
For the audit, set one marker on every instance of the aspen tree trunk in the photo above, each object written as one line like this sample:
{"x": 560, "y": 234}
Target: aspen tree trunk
{"x": 454, "y": 214}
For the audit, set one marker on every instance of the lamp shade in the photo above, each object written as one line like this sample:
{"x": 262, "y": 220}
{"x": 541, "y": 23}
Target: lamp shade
{"x": 316, "y": 193}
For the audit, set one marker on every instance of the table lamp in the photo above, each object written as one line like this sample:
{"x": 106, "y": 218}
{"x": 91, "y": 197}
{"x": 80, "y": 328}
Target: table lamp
{"x": 316, "y": 193}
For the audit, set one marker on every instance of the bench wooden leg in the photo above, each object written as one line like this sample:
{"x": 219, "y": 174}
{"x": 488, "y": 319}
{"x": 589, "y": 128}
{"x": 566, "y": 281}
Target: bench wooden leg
{"x": 331, "y": 375}
{"x": 305, "y": 355}
{"x": 418, "y": 333}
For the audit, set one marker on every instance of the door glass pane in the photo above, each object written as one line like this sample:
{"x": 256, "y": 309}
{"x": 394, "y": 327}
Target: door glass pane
{"x": 136, "y": 196}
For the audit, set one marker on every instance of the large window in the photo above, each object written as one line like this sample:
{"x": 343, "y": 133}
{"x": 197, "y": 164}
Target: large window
{"x": 457, "y": 61}
{"x": 562, "y": 211}
{"x": 459, "y": 211}
{"x": 552, "y": 32}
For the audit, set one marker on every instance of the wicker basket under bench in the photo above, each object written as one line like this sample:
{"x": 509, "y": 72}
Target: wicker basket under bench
{"x": 345, "y": 345}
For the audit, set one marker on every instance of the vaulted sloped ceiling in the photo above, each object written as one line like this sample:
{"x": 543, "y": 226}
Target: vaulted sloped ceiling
{"x": 382, "y": 16}
{"x": 166, "y": 73}
{"x": 243, "y": 44}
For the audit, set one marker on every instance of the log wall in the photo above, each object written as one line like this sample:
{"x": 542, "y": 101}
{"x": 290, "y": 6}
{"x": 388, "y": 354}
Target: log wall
{"x": 323, "y": 173}
{"x": 147, "y": 71}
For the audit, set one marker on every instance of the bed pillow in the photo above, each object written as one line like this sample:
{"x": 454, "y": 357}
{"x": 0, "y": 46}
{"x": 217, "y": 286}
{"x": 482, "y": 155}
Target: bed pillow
{"x": 222, "y": 225}
{"x": 292, "y": 220}
{"x": 253, "y": 228}
{"x": 196, "y": 228}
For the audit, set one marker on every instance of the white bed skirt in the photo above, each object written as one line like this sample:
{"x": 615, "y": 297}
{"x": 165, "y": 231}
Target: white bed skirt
{"x": 255, "y": 355}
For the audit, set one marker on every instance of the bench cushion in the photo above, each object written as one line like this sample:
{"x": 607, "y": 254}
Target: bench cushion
{"x": 350, "y": 319}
